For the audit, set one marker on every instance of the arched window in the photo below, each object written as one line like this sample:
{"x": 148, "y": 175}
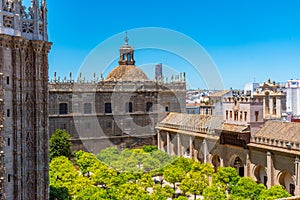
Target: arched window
{"x": 124, "y": 57}
{"x": 149, "y": 107}
{"x": 108, "y": 108}
{"x": 87, "y": 108}
{"x": 63, "y": 108}
{"x": 167, "y": 108}
{"x": 128, "y": 107}
{"x": 128, "y": 57}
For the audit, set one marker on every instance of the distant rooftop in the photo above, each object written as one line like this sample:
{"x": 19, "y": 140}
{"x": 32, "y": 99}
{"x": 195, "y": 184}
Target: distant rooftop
{"x": 220, "y": 93}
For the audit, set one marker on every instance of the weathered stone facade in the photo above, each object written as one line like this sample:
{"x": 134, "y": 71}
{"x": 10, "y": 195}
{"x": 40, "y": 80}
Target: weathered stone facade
{"x": 270, "y": 157}
{"x": 24, "y": 97}
{"x": 121, "y": 110}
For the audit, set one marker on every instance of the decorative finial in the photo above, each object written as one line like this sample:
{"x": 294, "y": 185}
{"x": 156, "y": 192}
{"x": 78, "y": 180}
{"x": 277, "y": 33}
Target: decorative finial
{"x": 126, "y": 38}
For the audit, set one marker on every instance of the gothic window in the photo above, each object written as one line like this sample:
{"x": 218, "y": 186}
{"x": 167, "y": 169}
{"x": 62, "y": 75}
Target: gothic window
{"x": 87, "y": 108}
{"x": 256, "y": 115}
{"x": 245, "y": 116}
{"x": 149, "y": 107}
{"x": 108, "y": 108}
{"x": 226, "y": 114}
{"x": 63, "y": 108}
{"x": 241, "y": 116}
{"x": 206, "y": 111}
{"x": 230, "y": 114}
{"x": 128, "y": 107}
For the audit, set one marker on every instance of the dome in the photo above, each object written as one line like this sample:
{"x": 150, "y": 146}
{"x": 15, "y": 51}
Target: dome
{"x": 126, "y": 73}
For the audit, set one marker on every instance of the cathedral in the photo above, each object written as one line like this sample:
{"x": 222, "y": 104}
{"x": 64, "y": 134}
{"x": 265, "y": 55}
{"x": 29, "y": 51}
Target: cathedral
{"x": 24, "y": 49}
{"x": 121, "y": 110}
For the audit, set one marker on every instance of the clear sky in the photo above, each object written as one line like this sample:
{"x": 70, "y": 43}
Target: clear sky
{"x": 247, "y": 39}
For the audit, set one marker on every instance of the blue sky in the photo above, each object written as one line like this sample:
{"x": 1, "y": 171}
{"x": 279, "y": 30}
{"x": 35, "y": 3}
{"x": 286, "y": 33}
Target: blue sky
{"x": 247, "y": 40}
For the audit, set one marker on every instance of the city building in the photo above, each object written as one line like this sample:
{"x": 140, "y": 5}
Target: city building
{"x": 274, "y": 100}
{"x": 293, "y": 98}
{"x": 270, "y": 157}
{"x": 216, "y": 100}
{"x": 250, "y": 88}
{"x": 249, "y": 136}
{"x": 121, "y": 110}
{"x": 199, "y": 108}
{"x": 24, "y": 48}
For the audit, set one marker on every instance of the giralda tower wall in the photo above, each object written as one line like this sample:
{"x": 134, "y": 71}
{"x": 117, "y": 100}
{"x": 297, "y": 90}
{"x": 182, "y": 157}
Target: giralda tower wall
{"x": 24, "y": 136}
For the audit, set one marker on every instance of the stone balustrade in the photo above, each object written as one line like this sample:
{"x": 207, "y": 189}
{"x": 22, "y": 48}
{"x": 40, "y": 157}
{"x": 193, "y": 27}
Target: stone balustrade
{"x": 276, "y": 143}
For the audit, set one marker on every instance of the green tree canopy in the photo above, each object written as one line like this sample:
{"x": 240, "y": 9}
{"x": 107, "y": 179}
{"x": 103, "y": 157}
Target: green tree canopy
{"x": 275, "y": 192}
{"x": 194, "y": 183}
{"x": 226, "y": 177}
{"x": 149, "y": 148}
{"x": 59, "y": 144}
{"x": 161, "y": 193}
{"x": 214, "y": 192}
{"x": 108, "y": 155}
{"x": 85, "y": 161}
{"x": 173, "y": 175}
{"x": 246, "y": 188}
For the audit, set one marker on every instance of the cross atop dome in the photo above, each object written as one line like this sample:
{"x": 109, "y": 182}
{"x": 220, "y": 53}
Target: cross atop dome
{"x": 126, "y": 38}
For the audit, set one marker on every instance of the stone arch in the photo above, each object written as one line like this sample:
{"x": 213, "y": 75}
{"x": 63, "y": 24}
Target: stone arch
{"x": 216, "y": 161}
{"x": 260, "y": 174}
{"x": 287, "y": 181}
{"x": 237, "y": 163}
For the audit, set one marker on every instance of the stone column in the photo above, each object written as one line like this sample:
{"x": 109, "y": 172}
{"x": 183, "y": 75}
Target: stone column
{"x": 204, "y": 151}
{"x": 278, "y": 107}
{"x": 247, "y": 165}
{"x": 271, "y": 106}
{"x": 221, "y": 162}
{"x": 270, "y": 169}
{"x": 158, "y": 140}
{"x": 297, "y": 174}
{"x": 179, "y": 149}
{"x": 168, "y": 143}
{"x": 191, "y": 147}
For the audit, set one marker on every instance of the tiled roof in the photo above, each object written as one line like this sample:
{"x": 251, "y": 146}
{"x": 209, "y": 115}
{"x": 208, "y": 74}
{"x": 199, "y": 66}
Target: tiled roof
{"x": 220, "y": 93}
{"x": 126, "y": 73}
{"x": 286, "y": 131}
{"x": 190, "y": 120}
{"x": 234, "y": 127}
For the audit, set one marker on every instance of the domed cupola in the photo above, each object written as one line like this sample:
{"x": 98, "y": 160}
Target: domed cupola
{"x": 126, "y": 53}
